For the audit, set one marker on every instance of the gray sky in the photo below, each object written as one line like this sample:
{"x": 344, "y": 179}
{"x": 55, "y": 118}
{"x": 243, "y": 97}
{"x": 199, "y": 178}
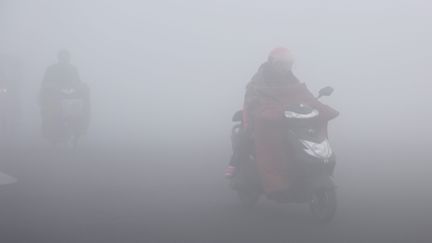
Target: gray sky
{"x": 177, "y": 69}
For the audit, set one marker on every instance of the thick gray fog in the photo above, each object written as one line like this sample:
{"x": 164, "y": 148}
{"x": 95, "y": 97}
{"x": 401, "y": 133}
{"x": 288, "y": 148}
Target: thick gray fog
{"x": 152, "y": 63}
{"x": 170, "y": 74}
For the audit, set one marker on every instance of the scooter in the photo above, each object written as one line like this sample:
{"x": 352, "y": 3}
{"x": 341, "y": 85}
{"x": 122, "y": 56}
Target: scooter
{"x": 67, "y": 123}
{"x": 72, "y": 112}
{"x": 314, "y": 158}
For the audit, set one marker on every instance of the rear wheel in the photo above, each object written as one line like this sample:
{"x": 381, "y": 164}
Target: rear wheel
{"x": 323, "y": 205}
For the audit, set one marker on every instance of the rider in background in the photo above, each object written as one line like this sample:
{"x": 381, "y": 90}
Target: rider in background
{"x": 59, "y": 76}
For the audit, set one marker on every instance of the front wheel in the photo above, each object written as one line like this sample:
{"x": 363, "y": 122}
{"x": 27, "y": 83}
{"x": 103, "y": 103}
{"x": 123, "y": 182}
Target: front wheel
{"x": 323, "y": 205}
{"x": 248, "y": 198}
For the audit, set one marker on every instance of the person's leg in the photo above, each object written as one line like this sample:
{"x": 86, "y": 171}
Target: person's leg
{"x": 241, "y": 151}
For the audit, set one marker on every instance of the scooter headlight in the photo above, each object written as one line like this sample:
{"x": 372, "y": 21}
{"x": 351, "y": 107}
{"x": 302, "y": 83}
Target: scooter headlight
{"x": 292, "y": 114}
{"x": 318, "y": 150}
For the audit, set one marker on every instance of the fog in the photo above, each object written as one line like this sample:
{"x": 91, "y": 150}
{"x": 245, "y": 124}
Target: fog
{"x": 166, "y": 77}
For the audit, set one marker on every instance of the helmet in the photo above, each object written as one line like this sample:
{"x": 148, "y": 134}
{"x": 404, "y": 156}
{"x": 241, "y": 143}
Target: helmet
{"x": 280, "y": 54}
{"x": 63, "y": 56}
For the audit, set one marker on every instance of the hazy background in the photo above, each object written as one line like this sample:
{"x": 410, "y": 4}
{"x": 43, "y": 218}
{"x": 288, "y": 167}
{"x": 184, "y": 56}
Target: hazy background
{"x": 169, "y": 74}
{"x": 166, "y": 69}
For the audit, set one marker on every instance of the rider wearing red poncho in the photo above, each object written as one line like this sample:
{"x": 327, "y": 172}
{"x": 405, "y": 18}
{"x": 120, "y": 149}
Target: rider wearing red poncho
{"x": 271, "y": 89}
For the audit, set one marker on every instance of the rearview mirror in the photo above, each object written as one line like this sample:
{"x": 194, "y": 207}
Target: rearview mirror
{"x": 327, "y": 91}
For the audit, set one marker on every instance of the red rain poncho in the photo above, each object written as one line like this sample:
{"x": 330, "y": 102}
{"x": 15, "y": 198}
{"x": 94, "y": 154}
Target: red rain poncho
{"x": 265, "y": 104}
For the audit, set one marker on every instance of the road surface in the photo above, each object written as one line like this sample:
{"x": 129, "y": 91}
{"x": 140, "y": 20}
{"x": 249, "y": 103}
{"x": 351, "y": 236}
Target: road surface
{"x": 140, "y": 194}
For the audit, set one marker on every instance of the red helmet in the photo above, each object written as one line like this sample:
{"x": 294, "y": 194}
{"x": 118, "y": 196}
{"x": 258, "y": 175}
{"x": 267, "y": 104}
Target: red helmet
{"x": 280, "y": 54}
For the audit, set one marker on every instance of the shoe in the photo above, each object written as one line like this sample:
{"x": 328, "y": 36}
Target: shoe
{"x": 229, "y": 171}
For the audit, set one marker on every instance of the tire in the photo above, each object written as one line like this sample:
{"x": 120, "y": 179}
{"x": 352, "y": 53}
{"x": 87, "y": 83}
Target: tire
{"x": 248, "y": 198}
{"x": 323, "y": 205}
